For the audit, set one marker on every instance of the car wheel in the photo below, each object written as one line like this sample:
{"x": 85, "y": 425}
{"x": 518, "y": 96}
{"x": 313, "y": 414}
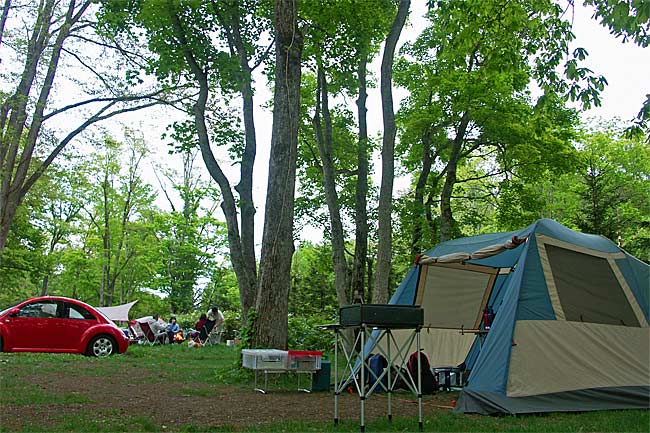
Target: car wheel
{"x": 101, "y": 346}
{"x": 2, "y": 346}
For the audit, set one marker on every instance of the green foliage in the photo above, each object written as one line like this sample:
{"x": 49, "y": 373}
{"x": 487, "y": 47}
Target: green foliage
{"x": 614, "y": 188}
{"x": 222, "y": 290}
{"x": 304, "y": 333}
{"x": 232, "y": 325}
{"x": 149, "y": 304}
{"x": 606, "y": 193}
{"x": 246, "y": 333}
{"x": 626, "y": 19}
{"x": 470, "y": 115}
{"x": 312, "y": 280}
{"x": 190, "y": 240}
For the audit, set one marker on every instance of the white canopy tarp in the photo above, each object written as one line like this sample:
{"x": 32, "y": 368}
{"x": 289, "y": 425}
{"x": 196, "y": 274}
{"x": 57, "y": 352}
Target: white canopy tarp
{"x": 118, "y": 313}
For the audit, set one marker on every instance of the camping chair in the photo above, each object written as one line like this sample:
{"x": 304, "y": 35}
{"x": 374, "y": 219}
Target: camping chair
{"x": 134, "y": 336}
{"x": 213, "y": 336}
{"x": 150, "y": 336}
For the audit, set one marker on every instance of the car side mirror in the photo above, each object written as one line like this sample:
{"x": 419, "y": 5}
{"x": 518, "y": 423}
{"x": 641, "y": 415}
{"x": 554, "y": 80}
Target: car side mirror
{"x": 14, "y": 312}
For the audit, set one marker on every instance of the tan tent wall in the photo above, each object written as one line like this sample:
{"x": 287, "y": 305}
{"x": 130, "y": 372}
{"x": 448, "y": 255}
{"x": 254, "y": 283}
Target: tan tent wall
{"x": 443, "y": 347}
{"x": 556, "y": 356}
{"x": 452, "y": 297}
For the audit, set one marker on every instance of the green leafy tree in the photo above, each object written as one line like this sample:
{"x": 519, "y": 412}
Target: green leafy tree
{"x": 342, "y": 39}
{"x": 66, "y": 197}
{"x": 333, "y": 160}
{"x": 42, "y": 39}
{"x": 629, "y": 20}
{"x": 312, "y": 281}
{"x": 613, "y": 189}
{"x": 469, "y": 111}
{"x": 270, "y": 327}
{"x": 221, "y": 291}
{"x": 23, "y": 266}
{"x": 211, "y": 47}
{"x": 190, "y": 238}
{"x": 121, "y": 197}
{"x": 384, "y": 210}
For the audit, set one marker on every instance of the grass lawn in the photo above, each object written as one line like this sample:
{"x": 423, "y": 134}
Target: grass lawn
{"x": 181, "y": 389}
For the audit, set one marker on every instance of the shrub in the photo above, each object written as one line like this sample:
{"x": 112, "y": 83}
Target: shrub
{"x": 304, "y": 333}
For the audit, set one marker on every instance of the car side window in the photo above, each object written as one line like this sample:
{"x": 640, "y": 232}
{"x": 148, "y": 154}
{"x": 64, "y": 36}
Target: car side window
{"x": 77, "y": 312}
{"x": 41, "y": 310}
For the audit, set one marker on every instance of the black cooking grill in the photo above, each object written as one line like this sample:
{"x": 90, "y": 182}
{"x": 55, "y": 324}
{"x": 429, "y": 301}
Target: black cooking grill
{"x": 382, "y": 315}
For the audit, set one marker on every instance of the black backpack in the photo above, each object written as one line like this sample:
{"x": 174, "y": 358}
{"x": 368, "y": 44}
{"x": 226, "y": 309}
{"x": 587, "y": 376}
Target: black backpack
{"x": 429, "y": 381}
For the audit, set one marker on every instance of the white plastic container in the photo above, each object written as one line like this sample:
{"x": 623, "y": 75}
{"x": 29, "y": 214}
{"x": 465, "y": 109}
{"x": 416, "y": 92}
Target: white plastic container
{"x": 264, "y": 359}
{"x": 304, "y": 360}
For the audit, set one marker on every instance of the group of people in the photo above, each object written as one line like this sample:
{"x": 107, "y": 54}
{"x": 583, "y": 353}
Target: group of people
{"x": 206, "y": 323}
{"x": 169, "y": 332}
{"x": 163, "y": 330}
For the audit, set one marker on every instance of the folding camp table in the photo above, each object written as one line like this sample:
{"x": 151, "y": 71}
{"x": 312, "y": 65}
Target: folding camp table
{"x": 272, "y": 361}
{"x": 372, "y": 326}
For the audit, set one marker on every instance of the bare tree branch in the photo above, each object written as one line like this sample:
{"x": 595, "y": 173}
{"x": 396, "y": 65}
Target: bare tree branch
{"x": 126, "y": 98}
{"x": 97, "y": 117}
{"x": 97, "y": 75}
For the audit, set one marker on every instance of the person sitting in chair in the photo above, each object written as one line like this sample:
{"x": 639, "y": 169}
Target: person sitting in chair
{"x": 198, "y": 326}
{"x": 172, "y": 329}
{"x": 159, "y": 327}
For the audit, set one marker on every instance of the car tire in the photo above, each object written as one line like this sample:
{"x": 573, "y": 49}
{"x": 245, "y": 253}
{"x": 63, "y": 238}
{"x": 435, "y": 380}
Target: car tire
{"x": 2, "y": 345}
{"x": 101, "y": 346}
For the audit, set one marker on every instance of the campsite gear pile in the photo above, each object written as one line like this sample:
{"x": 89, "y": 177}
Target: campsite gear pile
{"x": 543, "y": 319}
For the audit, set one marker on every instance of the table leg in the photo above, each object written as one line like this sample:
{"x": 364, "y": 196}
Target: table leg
{"x": 390, "y": 383}
{"x": 420, "y": 425}
{"x": 362, "y": 385}
{"x": 336, "y": 377}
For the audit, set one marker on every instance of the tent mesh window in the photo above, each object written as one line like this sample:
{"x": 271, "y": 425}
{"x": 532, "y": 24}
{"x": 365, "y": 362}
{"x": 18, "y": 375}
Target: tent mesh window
{"x": 452, "y": 297}
{"x": 588, "y": 288}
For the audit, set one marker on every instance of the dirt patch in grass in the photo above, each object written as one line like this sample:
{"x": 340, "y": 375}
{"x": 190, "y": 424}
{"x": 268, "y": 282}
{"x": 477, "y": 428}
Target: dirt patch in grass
{"x": 172, "y": 404}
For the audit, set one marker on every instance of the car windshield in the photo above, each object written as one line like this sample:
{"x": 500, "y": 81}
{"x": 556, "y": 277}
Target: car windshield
{"x": 9, "y": 308}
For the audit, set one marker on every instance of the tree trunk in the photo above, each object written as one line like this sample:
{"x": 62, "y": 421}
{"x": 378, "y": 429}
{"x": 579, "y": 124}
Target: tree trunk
{"x": 248, "y": 290}
{"x": 44, "y": 285}
{"x": 324, "y": 140}
{"x": 12, "y": 186}
{"x": 446, "y": 217}
{"x": 270, "y": 327}
{"x": 240, "y": 254}
{"x": 106, "y": 240}
{"x": 419, "y": 218}
{"x": 361, "y": 190}
{"x": 3, "y": 19}
{"x": 12, "y": 121}
{"x": 384, "y": 247}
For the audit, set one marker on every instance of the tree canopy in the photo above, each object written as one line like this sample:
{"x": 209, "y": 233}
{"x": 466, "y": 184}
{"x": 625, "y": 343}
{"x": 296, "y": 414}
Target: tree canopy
{"x": 486, "y": 131}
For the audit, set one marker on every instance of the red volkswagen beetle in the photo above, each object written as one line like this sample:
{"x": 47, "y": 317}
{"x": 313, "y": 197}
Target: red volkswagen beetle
{"x": 58, "y": 324}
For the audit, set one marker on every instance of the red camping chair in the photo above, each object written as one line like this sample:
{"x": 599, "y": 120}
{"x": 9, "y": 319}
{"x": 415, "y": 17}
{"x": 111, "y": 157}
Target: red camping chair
{"x": 152, "y": 337}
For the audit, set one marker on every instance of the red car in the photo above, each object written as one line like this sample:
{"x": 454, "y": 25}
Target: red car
{"x": 57, "y": 324}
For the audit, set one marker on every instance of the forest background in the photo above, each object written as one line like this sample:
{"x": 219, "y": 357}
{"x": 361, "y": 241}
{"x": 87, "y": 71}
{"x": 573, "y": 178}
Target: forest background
{"x": 483, "y": 134}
